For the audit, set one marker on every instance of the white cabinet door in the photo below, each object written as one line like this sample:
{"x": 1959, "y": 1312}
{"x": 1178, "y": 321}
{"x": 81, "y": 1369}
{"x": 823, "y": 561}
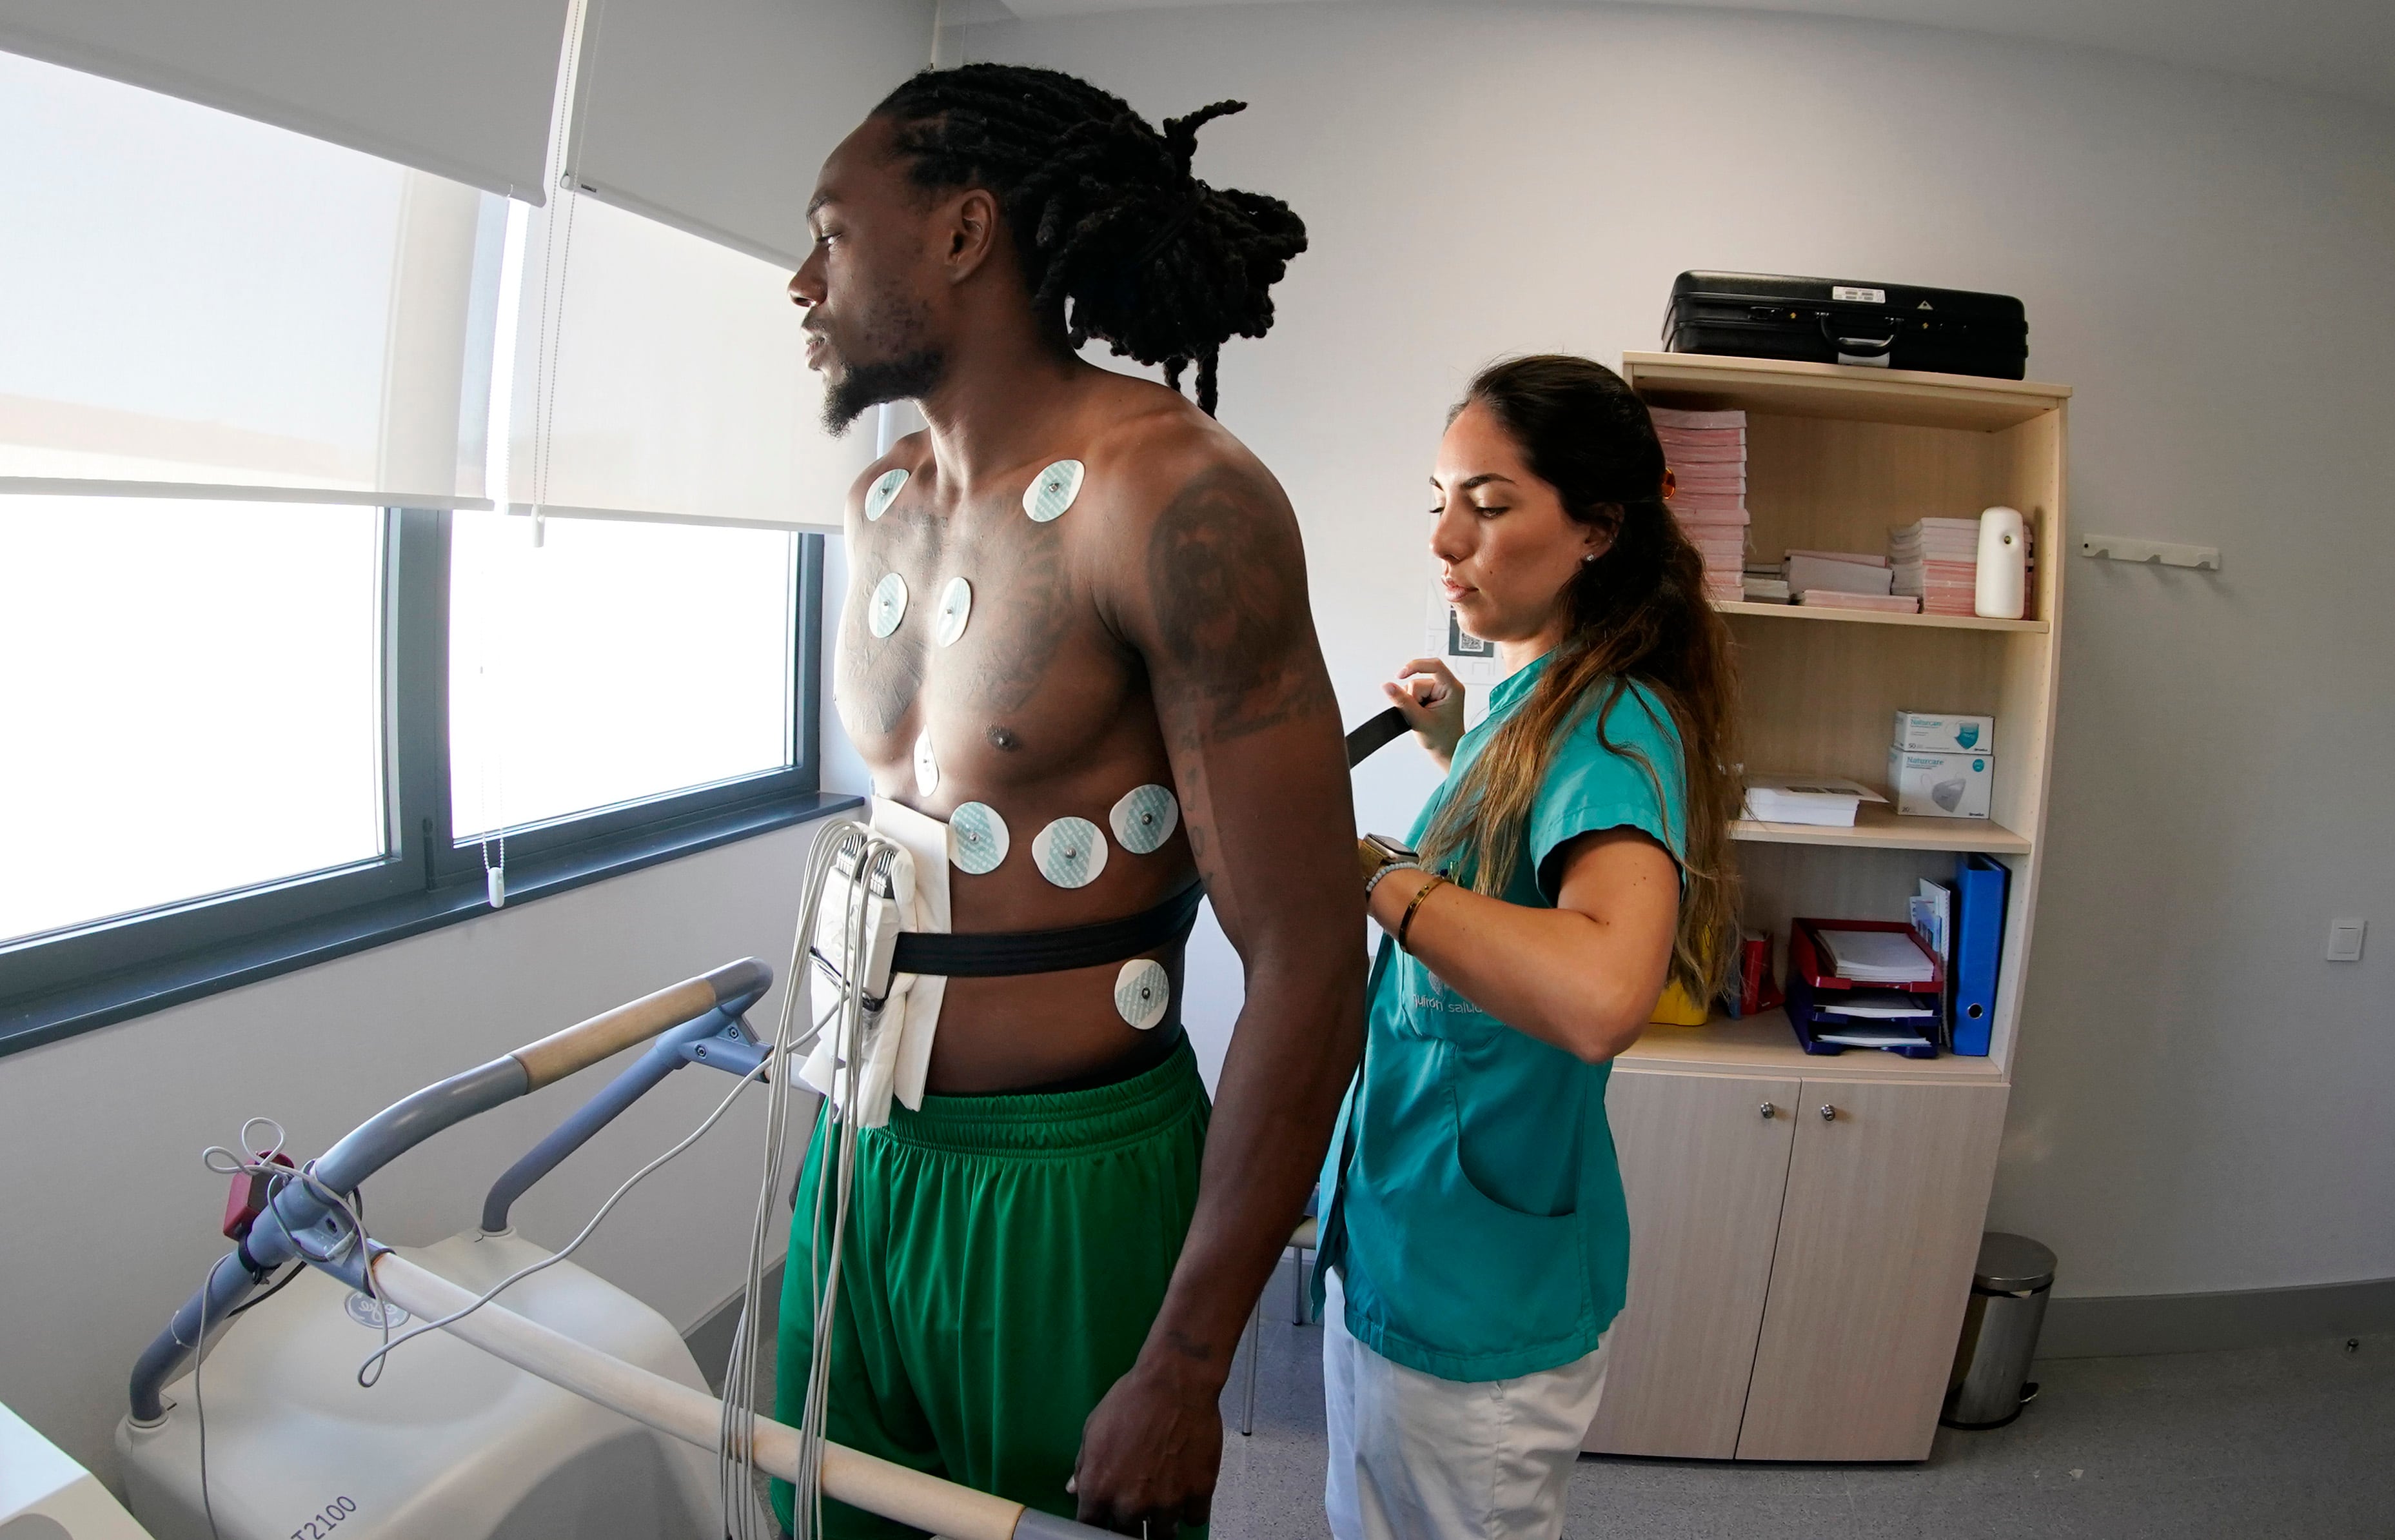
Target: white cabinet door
{"x": 1703, "y": 1166}
{"x": 1878, "y": 1235}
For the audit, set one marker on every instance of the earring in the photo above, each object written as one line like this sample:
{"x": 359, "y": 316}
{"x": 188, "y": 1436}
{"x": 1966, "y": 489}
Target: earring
{"x": 1590, "y": 557}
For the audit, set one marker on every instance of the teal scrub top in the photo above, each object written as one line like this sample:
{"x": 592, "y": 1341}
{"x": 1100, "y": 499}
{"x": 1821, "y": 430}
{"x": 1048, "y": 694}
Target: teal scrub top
{"x": 1471, "y": 1201}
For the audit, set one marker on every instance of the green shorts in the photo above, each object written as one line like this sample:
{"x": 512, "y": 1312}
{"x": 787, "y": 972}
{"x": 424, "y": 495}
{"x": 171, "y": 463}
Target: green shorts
{"x": 1004, "y": 1258}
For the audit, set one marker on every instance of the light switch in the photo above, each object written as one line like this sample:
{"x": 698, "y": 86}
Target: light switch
{"x": 2345, "y": 940}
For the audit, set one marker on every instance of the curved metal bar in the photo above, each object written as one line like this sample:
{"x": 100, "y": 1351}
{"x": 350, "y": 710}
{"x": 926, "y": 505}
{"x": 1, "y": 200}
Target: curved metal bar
{"x": 296, "y": 1208}
{"x": 411, "y": 1120}
{"x": 227, "y": 1286}
{"x": 664, "y": 1056}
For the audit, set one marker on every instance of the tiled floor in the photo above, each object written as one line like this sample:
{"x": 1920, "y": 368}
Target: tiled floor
{"x": 2294, "y": 1441}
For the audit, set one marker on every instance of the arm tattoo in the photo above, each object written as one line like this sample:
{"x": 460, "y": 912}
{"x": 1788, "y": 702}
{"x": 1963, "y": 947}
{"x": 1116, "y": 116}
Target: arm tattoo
{"x": 1230, "y": 610}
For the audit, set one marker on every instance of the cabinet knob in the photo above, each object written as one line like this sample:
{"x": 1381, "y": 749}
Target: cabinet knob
{"x": 1829, "y": 1113}
{"x": 1769, "y": 1110}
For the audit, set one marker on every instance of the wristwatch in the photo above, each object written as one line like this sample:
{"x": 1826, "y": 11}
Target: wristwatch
{"x": 1380, "y": 854}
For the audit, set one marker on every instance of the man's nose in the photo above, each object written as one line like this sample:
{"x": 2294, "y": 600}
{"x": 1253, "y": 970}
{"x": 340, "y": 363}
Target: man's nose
{"x": 806, "y": 287}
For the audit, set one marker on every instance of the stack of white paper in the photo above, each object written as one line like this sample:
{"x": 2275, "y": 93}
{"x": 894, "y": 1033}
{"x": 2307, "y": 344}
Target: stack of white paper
{"x": 1836, "y": 571}
{"x": 1877, "y": 956}
{"x": 1764, "y": 585}
{"x": 1824, "y": 801}
{"x": 1869, "y": 1004}
{"x": 1873, "y": 1036}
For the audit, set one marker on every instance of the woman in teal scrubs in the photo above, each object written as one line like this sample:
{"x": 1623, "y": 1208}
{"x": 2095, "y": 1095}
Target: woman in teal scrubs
{"x": 1475, "y": 1240}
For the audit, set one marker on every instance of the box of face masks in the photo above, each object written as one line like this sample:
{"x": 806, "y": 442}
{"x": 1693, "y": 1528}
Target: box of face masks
{"x": 1945, "y": 733}
{"x": 1939, "y": 785}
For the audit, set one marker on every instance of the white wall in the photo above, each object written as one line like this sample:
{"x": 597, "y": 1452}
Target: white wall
{"x": 111, "y": 1223}
{"x": 2200, "y": 1099}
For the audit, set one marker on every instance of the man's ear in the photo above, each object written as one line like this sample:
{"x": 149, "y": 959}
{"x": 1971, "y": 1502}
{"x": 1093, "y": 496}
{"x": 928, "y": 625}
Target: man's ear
{"x": 971, "y": 232}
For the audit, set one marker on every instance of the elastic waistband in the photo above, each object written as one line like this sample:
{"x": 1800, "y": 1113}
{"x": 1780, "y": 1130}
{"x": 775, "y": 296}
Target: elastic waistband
{"x": 1054, "y": 1123}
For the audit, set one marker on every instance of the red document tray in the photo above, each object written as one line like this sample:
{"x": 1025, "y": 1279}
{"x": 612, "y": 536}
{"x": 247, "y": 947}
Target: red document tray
{"x": 1805, "y": 956}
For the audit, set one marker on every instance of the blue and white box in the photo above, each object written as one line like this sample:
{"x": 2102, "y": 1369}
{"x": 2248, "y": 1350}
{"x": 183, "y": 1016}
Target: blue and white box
{"x": 1939, "y": 785}
{"x": 1945, "y": 733}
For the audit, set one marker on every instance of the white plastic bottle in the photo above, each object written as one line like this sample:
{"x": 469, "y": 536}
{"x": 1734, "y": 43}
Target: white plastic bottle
{"x": 2003, "y": 565}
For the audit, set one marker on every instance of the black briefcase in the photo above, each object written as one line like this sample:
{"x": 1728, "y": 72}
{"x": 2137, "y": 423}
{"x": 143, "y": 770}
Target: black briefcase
{"x": 1825, "y": 321}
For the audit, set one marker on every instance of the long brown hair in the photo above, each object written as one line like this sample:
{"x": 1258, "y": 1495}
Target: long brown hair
{"x": 1637, "y": 613}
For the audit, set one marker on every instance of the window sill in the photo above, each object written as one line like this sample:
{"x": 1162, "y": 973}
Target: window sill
{"x": 121, "y": 995}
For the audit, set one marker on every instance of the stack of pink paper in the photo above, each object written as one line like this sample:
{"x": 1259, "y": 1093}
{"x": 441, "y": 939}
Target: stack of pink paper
{"x": 1706, "y": 452}
{"x": 1937, "y": 561}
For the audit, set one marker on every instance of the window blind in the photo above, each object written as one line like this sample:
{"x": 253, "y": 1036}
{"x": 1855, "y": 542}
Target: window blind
{"x": 714, "y": 115}
{"x": 669, "y": 381}
{"x": 230, "y": 309}
{"x": 460, "y": 88}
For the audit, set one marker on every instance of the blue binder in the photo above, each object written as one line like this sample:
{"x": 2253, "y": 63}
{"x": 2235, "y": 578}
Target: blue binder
{"x": 1979, "y": 883}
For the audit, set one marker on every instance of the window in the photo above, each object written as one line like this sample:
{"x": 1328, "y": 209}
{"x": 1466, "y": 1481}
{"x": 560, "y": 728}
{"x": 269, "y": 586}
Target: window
{"x": 169, "y": 740}
{"x": 276, "y": 678}
{"x": 230, "y": 729}
{"x": 225, "y": 305}
{"x": 613, "y": 662}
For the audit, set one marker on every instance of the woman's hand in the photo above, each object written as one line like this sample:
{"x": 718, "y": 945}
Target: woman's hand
{"x": 1431, "y": 699}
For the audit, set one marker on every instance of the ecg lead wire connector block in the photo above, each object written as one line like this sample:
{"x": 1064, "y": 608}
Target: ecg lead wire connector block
{"x": 830, "y": 944}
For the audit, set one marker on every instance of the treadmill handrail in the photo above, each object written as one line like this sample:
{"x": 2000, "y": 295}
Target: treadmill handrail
{"x": 296, "y": 1207}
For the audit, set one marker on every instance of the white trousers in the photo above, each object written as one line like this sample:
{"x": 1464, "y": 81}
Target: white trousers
{"x": 1417, "y": 1458}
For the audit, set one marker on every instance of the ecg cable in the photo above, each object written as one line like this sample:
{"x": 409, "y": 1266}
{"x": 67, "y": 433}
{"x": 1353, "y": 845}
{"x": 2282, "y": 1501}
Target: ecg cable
{"x": 862, "y": 864}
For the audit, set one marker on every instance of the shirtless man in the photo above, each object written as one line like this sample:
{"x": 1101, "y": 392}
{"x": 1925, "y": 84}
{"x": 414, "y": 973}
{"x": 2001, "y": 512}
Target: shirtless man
{"x": 1040, "y": 1295}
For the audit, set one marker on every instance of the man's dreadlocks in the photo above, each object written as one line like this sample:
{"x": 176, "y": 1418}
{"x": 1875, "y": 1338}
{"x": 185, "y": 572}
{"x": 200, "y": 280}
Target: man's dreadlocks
{"x": 1104, "y": 210}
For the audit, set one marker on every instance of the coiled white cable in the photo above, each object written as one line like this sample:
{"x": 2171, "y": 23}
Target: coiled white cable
{"x": 864, "y": 861}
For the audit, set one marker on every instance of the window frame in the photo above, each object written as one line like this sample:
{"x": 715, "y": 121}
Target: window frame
{"x": 58, "y": 983}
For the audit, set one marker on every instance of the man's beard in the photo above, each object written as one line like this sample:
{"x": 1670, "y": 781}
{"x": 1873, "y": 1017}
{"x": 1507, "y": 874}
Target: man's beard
{"x": 908, "y": 377}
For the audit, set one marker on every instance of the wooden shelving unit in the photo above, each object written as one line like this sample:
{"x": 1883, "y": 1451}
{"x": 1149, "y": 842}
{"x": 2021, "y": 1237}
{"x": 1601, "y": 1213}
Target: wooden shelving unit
{"x": 1798, "y": 1279}
{"x": 1765, "y": 1042}
{"x": 1877, "y": 829}
{"x": 1881, "y": 617}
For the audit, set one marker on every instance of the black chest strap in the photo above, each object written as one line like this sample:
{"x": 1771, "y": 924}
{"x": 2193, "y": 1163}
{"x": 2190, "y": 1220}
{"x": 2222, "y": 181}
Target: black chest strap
{"x": 1009, "y": 954}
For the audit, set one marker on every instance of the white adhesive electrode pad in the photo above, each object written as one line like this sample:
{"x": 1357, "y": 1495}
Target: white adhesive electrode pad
{"x": 889, "y": 604}
{"x": 1069, "y": 852}
{"x": 1145, "y": 818}
{"x": 1142, "y": 991}
{"x": 927, "y": 767}
{"x": 955, "y": 608}
{"x": 1052, "y": 491}
{"x": 882, "y": 493}
{"x": 977, "y": 838}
